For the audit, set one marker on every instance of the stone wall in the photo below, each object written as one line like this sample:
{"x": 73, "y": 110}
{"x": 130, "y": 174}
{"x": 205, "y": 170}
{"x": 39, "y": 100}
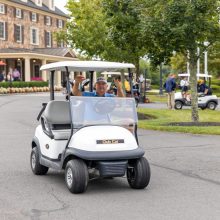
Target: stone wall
{"x": 26, "y": 22}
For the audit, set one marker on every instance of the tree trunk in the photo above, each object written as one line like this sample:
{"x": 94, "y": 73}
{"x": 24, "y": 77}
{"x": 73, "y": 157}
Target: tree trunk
{"x": 193, "y": 85}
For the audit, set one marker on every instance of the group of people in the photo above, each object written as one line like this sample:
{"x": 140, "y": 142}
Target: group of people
{"x": 13, "y": 75}
{"x": 170, "y": 86}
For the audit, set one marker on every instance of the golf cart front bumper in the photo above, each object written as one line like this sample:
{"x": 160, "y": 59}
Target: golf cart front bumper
{"x": 106, "y": 155}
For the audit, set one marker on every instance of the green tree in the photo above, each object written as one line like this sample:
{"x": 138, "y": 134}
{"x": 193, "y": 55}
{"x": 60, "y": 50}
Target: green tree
{"x": 183, "y": 26}
{"x": 87, "y": 31}
{"x": 124, "y": 30}
{"x": 105, "y": 29}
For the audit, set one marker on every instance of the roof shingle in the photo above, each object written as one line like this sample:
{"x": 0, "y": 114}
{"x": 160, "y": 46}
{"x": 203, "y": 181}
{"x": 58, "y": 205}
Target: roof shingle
{"x": 43, "y": 8}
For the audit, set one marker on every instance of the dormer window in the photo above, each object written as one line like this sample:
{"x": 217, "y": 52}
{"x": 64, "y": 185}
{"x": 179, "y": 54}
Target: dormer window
{"x": 2, "y": 9}
{"x": 52, "y": 5}
{"x": 38, "y": 2}
{"x": 18, "y": 13}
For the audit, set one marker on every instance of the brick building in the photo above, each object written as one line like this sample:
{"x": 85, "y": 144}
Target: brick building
{"x": 27, "y": 36}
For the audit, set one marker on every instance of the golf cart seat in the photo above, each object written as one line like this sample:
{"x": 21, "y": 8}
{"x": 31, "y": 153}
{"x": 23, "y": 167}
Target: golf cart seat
{"x": 56, "y": 121}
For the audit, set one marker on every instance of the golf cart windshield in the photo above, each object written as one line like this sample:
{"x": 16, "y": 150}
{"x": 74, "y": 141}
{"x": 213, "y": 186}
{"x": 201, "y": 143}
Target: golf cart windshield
{"x": 87, "y": 111}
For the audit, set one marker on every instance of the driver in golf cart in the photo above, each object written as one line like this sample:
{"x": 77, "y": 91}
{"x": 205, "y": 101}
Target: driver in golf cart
{"x": 101, "y": 87}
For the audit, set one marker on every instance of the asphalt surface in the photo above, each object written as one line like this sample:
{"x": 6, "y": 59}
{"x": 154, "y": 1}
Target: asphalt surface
{"x": 185, "y": 181}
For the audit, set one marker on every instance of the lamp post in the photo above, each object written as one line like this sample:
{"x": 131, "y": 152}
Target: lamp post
{"x": 161, "y": 79}
{"x": 206, "y": 44}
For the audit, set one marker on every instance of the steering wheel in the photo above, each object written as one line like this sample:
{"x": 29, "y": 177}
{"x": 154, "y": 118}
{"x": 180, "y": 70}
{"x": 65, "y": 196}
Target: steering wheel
{"x": 105, "y": 106}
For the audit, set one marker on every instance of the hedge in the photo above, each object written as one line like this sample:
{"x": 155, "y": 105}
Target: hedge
{"x": 22, "y": 84}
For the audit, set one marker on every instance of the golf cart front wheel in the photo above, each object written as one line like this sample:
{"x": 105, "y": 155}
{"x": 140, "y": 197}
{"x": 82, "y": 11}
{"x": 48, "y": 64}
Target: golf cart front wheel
{"x": 178, "y": 105}
{"x": 36, "y": 167}
{"x": 211, "y": 105}
{"x": 76, "y": 176}
{"x": 138, "y": 174}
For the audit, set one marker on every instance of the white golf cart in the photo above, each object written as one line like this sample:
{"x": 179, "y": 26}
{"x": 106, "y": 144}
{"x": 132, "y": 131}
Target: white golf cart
{"x": 204, "y": 101}
{"x": 89, "y": 137}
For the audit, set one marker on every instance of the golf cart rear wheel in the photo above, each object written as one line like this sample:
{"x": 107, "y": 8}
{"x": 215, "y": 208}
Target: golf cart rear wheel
{"x": 36, "y": 167}
{"x": 211, "y": 105}
{"x": 138, "y": 174}
{"x": 178, "y": 105}
{"x": 76, "y": 176}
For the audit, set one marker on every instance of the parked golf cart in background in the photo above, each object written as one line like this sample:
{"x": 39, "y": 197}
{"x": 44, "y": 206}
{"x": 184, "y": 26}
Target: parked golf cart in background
{"x": 89, "y": 137}
{"x": 204, "y": 101}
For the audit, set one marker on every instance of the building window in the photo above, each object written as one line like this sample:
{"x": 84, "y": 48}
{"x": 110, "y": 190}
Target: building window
{"x": 34, "y": 36}
{"x": 48, "y": 39}
{"x": 38, "y": 2}
{"x": 18, "y": 13}
{"x": 18, "y": 33}
{"x": 2, "y": 30}
{"x": 2, "y": 9}
{"x": 34, "y": 17}
{"x": 60, "y": 43}
{"x": 60, "y": 23}
{"x": 48, "y": 20}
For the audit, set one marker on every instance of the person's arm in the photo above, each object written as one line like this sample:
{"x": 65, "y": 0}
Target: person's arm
{"x": 120, "y": 92}
{"x": 75, "y": 89}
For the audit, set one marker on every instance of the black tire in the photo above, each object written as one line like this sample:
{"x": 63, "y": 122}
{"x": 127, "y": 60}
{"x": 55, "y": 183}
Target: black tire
{"x": 36, "y": 167}
{"x": 76, "y": 176}
{"x": 139, "y": 176}
{"x": 211, "y": 105}
{"x": 178, "y": 105}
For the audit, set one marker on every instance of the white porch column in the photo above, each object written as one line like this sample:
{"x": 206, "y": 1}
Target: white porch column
{"x": 94, "y": 77}
{"x": 44, "y": 73}
{"x": 27, "y": 70}
{"x": 58, "y": 78}
{"x": 84, "y": 74}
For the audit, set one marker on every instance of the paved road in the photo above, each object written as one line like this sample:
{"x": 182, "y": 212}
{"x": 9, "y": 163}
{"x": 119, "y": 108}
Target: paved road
{"x": 185, "y": 181}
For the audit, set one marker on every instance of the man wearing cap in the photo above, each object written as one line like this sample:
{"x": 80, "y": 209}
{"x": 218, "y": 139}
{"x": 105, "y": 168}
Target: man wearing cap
{"x": 100, "y": 86}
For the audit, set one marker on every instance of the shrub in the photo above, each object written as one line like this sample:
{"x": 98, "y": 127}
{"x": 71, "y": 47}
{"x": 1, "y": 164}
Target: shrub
{"x": 23, "y": 84}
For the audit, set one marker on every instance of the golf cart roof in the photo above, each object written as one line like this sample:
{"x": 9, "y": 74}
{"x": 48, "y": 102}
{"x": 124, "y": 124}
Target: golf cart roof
{"x": 184, "y": 74}
{"x": 82, "y": 66}
{"x": 113, "y": 73}
{"x": 198, "y": 75}
{"x": 204, "y": 75}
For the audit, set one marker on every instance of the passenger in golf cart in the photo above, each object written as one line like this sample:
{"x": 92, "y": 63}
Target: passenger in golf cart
{"x": 101, "y": 87}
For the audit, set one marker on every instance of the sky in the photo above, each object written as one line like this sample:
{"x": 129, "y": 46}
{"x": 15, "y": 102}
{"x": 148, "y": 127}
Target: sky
{"x": 60, "y": 4}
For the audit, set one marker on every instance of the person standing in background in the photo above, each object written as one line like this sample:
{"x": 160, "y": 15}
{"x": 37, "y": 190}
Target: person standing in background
{"x": 16, "y": 75}
{"x": 170, "y": 87}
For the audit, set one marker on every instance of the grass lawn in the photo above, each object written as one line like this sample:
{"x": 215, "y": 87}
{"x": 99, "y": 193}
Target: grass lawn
{"x": 163, "y": 117}
{"x": 157, "y": 98}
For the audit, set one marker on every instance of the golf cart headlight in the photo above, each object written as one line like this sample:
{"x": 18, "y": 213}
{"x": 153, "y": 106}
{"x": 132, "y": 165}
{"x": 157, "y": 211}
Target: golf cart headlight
{"x": 46, "y": 126}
